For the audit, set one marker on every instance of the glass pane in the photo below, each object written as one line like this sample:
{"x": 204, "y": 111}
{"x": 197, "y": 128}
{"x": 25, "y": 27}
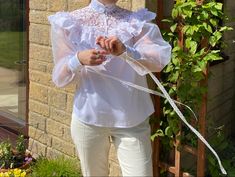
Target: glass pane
{"x": 13, "y": 57}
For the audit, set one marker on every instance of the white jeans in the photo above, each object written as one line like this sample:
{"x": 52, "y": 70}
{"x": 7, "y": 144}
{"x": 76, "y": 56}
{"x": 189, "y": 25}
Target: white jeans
{"x": 133, "y": 147}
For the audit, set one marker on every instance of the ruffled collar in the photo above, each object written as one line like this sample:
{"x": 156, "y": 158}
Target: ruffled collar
{"x": 99, "y": 7}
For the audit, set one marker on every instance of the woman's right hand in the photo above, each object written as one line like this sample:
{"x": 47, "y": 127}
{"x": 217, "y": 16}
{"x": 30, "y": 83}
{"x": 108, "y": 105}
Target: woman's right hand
{"x": 92, "y": 57}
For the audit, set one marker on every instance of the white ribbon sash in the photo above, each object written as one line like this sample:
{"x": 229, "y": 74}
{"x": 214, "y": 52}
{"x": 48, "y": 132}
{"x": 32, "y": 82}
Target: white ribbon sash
{"x": 171, "y": 101}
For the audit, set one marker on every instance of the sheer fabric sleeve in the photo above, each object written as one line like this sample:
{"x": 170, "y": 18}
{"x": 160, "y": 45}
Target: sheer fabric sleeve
{"x": 150, "y": 49}
{"x": 66, "y": 63}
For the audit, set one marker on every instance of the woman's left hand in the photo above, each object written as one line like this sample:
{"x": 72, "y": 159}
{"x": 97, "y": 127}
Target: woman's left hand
{"x": 112, "y": 45}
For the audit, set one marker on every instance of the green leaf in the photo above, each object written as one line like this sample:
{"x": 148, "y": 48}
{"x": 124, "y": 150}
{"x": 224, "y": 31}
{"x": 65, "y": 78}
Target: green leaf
{"x": 173, "y": 27}
{"x": 218, "y": 35}
{"x": 190, "y": 31}
{"x": 213, "y": 22}
{"x": 212, "y": 41}
{"x": 214, "y": 12}
{"x": 193, "y": 47}
{"x": 168, "y": 131}
{"x": 196, "y": 69}
{"x": 212, "y": 56}
{"x": 174, "y": 76}
{"x": 185, "y": 28}
{"x": 219, "y": 6}
{"x": 207, "y": 27}
{"x": 175, "y": 61}
{"x": 167, "y": 20}
{"x": 169, "y": 68}
{"x": 204, "y": 15}
{"x": 174, "y": 13}
{"x": 158, "y": 133}
{"x": 225, "y": 28}
{"x": 188, "y": 12}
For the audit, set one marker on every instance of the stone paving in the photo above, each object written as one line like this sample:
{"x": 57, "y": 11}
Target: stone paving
{"x": 12, "y": 93}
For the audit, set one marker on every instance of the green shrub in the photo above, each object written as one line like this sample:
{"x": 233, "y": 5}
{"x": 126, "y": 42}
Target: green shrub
{"x": 58, "y": 167}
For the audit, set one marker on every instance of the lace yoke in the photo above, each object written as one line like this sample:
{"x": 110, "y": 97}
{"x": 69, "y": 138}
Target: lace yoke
{"x": 103, "y": 22}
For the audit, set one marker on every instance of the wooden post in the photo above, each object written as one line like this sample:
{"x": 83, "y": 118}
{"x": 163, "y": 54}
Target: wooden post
{"x": 202, "y": 130}
{"x": 202, "y": 118}
{"x": 156, "y": 142}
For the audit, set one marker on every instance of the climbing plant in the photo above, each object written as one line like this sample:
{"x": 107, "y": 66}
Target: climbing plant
{"x": 196, "y": 36}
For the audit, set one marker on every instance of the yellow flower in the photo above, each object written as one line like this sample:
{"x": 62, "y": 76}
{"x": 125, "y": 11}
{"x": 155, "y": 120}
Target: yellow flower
{"x": 23, "y": 174}
{"x": 14, "y": 173}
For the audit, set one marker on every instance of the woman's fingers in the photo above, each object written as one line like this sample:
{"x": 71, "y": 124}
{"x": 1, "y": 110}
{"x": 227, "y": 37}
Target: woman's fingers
{"x": 107, "y": 44}
{"x": 112, "y": 44}
{"x": 97, "y": 57}
{"x": 101, "y": 41}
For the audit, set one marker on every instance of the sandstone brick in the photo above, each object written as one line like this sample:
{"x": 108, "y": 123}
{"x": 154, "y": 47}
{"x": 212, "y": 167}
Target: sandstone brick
{"x": 40, "y": 136}
{"x": 38, "y": 4}
{"x": 37, "y": 66}
{"x": 63, "y": 146}
{"x": 40, "y": 52}
{"x": 113, "y": 162}
{"x": 125, "y": 4}
{"x": 112, "y": 153}
{"x": 71, "y": 88}
{"x": 57, "y": 99}
{"x": 39, "y": 34}
{"x": 38, "y": 107}
{"x": 137, "y": 4}
{"x": 36, "y": 148}
{"x": 60, "y": 116}
{"x": 70, "y": 99}
{"x": 53, "y": 153}
{"x": 114, "y": 169}
{"x": 67, "y": 135}
{"x": 77, "y": 4}
{"x": 38, "y": 92}
{"x": 41, "y": 78}
{"x": 37, "y": 121}
{"x": 50, "y": 67}
{"x": 55, "y": 128}
{"x": 57, "y": 5}
{"x": 39, "y": 17}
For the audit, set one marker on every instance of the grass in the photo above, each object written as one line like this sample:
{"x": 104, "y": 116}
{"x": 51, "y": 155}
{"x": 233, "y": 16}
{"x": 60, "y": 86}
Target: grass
{"x": 12, "y": 48}
{"x": 58, "y": 167}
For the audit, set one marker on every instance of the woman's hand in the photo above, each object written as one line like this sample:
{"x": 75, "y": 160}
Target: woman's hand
{"x": 112, "y": 45}
{"x": 92, "y": 57}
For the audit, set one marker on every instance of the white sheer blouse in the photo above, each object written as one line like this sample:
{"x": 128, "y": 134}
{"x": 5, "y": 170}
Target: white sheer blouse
{"x": 100, "y": 100}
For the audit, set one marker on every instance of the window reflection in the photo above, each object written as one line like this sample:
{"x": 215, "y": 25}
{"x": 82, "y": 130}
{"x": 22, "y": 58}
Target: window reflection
{"x": 13, "y": 55}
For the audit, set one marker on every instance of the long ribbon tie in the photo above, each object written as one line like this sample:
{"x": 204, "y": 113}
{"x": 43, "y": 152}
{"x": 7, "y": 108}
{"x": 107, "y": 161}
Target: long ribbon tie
{"x": 167, "y": 96}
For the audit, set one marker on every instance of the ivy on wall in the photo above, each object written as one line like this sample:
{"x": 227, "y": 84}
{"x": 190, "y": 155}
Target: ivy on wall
{"x": 196, "y": 36}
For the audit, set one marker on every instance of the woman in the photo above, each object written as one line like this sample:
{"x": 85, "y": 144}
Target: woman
{"x": 97, "y": 39}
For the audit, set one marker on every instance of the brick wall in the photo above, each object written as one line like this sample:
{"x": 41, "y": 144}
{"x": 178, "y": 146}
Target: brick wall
{"x": 50, "y": 107}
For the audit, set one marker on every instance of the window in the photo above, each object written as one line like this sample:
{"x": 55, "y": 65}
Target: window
{"x": 13, "y": 65}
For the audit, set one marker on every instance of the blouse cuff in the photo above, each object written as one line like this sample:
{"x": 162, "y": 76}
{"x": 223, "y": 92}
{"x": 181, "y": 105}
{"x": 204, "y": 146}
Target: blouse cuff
{"x": 74, "y": 63}
{"x": 131, "y": 52}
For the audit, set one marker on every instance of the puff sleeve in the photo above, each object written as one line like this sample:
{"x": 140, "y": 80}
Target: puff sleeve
{"x": 149, "y": 48}
{"x": 66, "y": 63}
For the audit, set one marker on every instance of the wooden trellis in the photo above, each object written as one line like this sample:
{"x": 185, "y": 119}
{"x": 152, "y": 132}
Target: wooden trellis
{"x": 199, "y": 152}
